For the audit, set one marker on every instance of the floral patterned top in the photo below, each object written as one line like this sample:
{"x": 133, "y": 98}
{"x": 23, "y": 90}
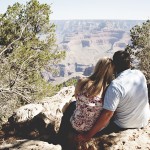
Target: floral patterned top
{"x": 86, "y": 113}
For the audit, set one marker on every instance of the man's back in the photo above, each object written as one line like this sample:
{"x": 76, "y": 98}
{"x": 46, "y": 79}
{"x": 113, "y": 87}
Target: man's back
{"x": 128, "y": 97}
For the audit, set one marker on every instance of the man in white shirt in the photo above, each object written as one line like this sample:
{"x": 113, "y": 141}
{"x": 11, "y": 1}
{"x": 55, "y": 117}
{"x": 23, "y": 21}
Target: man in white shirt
{"x": 126, "y": 100}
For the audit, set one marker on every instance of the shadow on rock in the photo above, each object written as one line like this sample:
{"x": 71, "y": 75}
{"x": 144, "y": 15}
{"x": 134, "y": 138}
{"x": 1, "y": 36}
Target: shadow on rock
{"x": 32, "y": 129}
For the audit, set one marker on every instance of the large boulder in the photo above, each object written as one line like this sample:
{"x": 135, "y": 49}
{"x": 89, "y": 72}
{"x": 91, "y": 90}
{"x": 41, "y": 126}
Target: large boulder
{"x": 39, "y": 120}
{"x": 50, "y": 109}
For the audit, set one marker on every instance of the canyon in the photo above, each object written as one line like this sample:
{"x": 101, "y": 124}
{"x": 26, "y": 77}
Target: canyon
{"x": 85, "y": 41}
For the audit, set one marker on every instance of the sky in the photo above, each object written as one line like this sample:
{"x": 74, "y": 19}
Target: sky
{"x": 93, "y": 9}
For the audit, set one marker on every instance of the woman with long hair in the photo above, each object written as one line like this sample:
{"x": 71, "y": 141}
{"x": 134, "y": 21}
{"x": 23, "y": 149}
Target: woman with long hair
{"x": 81, "y": 114}
{"x": 89, "y": 93}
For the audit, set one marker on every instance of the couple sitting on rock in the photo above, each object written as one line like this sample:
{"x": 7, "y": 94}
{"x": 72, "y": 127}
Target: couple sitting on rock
{"x": 103, "y": 104}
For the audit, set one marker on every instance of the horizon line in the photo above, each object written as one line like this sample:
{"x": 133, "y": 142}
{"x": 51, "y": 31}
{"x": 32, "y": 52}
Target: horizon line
{"x": 102, "y": 19}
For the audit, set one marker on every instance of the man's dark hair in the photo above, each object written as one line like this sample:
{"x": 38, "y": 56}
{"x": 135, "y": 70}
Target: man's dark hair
{"x": 121, "y": 60}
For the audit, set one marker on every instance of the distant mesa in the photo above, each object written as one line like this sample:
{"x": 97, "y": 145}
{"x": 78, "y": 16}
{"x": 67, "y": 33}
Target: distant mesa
{"x": 85, "y": 43}
{"x": 80, "y": 67}
{"x": 66, "y": 41}
{"x": 121, "y": 45}
{"x": 65, "y": 47}
{"x": 88, "y": 71}
{"x": 87, "y": 36}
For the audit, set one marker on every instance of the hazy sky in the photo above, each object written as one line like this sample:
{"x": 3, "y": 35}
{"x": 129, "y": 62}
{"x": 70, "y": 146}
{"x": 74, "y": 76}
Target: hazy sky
{"x": 93, "y": 9}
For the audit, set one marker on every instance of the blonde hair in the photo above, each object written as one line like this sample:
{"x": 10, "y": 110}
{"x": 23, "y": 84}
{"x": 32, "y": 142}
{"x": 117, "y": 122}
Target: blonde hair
{"x": 100, "y": 78}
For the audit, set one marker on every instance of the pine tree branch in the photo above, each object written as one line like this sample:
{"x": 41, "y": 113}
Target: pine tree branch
{"x": 8, "y": 90}
{"x": 14, "y": 40}
{"x": 16, "y": 78}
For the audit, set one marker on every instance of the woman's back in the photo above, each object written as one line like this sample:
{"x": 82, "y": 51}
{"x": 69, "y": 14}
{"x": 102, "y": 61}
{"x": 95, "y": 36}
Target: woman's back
{"x": 87, "y": 111}
{"x": 89, "y": 92}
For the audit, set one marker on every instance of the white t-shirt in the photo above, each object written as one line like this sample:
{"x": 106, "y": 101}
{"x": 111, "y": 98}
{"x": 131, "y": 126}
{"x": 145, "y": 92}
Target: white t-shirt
{"x": 127, "y": 95}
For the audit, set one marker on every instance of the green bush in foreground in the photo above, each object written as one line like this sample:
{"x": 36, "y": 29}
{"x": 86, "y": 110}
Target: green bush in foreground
{"x": 27, "y": 47}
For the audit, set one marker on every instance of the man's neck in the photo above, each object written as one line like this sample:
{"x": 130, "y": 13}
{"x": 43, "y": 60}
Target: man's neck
{"x": 119, "y": 72}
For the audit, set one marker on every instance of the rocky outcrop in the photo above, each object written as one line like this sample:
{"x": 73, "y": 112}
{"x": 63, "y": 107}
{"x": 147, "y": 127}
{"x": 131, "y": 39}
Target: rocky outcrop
{"x": 40, "y": 121}
{"x": 50, "y": 110}
{"x": 132, "y": 139}
{"x": 34, "y": 126}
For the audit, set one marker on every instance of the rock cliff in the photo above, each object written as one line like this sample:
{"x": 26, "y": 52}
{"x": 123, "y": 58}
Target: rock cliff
{"x": 35, "y": 126}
